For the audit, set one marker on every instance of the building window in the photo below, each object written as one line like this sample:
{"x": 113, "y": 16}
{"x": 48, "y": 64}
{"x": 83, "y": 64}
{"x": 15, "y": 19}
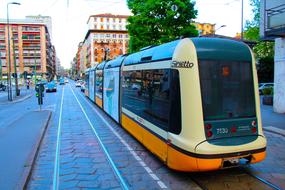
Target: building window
{"x": 102, "y": 27}
{"x": 120, "y": 20}
{"x": 108, "y": 19}
{"x": 95, "y": 26}
{"x": 114, "y": 27}
{"x": 114, "y": 20}
{"x": 114, "y": 36}
{"x": 101, "y": 19}
{"x": 95, "y": 19}
{"x": 120, "y": 36}
{"x": 108, "y": 27}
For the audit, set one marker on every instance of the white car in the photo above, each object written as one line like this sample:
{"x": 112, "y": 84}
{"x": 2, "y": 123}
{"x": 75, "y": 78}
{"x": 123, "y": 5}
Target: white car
{"x": 78, "y": 83}
{"x": 262, "y": 86}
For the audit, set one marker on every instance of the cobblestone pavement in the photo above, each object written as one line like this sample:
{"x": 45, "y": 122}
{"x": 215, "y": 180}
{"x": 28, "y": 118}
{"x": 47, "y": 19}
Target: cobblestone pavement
{"x": 273, "y": 167}
{"x": 84, "y": 165}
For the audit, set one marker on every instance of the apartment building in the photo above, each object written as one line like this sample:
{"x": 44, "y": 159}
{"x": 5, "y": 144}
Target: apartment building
{"x": 31, "y": 50}
{"x": 107, "y": 37}
{"x": 205, "y": 28}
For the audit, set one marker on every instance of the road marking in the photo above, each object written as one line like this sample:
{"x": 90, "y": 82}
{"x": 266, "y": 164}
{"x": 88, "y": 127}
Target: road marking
{"x": 142, "y": 163}
{"x": 56, "y": 162}
{"x": 122, "y": 182}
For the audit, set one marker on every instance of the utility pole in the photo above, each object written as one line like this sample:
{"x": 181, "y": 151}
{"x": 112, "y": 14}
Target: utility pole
{"x": 10, "y": 97}
{"x": 241, "y": 34}
{"x": 15, "y": 67}
{"x": 9, "y": 61}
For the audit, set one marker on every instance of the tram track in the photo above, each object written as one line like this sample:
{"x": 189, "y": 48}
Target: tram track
{"x": 110, "y": 160}
{"x": 229, "y": 179}
{"x": 57, "y": 183}
{"x": 149, "y": 171}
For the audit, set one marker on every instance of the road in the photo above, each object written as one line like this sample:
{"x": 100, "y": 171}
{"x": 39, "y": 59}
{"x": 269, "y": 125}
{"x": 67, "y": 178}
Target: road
{"x": 84, "y": 149}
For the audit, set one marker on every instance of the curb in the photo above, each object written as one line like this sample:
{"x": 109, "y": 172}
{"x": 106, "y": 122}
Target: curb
{"x": 32, "y": 158}
{"x": 19, "y": 100}
{"x": 274, "y": 130}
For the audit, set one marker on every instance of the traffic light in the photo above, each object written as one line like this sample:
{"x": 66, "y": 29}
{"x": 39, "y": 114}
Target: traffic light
{"x": 40, "y": 92}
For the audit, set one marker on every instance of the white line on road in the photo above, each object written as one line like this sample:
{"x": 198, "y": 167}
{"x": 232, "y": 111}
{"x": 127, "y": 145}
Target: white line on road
{"x": 149, "y": 171}
{"x": 55, "y": 184}
{"x": 122, "y": 181}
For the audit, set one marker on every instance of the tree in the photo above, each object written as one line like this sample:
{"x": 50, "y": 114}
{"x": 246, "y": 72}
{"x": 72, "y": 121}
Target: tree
{"x": 159, "y": 21}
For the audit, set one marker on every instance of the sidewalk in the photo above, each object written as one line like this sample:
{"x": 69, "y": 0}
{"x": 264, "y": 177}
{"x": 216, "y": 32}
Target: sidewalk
{"x": 271, "y": 121}
{"x": 18, "y": 147}
{"x": 24, "y": 94}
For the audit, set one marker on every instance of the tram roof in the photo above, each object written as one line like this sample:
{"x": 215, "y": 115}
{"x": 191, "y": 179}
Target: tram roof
{"x": 221, "y": 49}
{"x": 115, "y": 62}
{"x": 101, "y": 65}
{"x": 161, "y": 52}
{"x": 207, "y": 48}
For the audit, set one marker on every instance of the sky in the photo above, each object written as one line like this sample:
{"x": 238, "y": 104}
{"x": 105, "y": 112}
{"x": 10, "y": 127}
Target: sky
{"x": 69, "y": 18}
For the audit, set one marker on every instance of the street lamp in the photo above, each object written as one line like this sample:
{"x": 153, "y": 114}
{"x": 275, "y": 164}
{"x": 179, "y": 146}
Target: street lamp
{"x": 222, "y": 26}
{"x": 10, "y": 97}
{"x": 241, "y": 34}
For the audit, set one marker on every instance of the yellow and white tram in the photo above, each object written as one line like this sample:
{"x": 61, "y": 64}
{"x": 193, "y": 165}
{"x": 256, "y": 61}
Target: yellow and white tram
{"x": 193, "y": 102}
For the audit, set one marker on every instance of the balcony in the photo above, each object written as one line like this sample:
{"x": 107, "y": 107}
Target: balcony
{"x": 29, "y": 64}
{"x": 275, "y": 26}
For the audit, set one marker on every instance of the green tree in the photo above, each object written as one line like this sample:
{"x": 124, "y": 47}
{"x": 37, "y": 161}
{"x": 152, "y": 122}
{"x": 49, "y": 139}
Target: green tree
{"x": 159, "y": 21}
{"x": 263, "y": 49}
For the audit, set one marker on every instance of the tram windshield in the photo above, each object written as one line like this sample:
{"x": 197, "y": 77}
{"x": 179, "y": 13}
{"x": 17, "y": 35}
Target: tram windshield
{"x": 227, "y": 89}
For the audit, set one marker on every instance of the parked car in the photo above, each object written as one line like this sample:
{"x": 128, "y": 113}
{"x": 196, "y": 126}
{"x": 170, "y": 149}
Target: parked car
{"x": 51, "y": 87}
{"x": 78, "y": 83}
{"x": 61, "y": 81}
{"x": 262, "y": 86}
{"x": 2, "y": 86}
{"x": 82, "y": 87}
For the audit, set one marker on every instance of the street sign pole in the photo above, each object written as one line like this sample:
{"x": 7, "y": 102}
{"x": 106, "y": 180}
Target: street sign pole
{"x": 39, "y": 93}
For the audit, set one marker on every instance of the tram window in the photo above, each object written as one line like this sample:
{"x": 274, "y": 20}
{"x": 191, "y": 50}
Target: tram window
{"x": 87, "y": 80}
{"x": 175, "y": 110}
{"x": 226, "y": 93}
{"x": 146, "y": 93}
{"x": 99, "y": 84}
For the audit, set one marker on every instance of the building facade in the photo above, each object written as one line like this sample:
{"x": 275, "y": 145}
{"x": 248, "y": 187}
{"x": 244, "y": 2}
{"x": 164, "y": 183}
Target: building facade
{"x": 31, "y": 50}
{"x": 205, "y": 28}
{"x": 107, "y": 38}
{"x": 272, "y": 27}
